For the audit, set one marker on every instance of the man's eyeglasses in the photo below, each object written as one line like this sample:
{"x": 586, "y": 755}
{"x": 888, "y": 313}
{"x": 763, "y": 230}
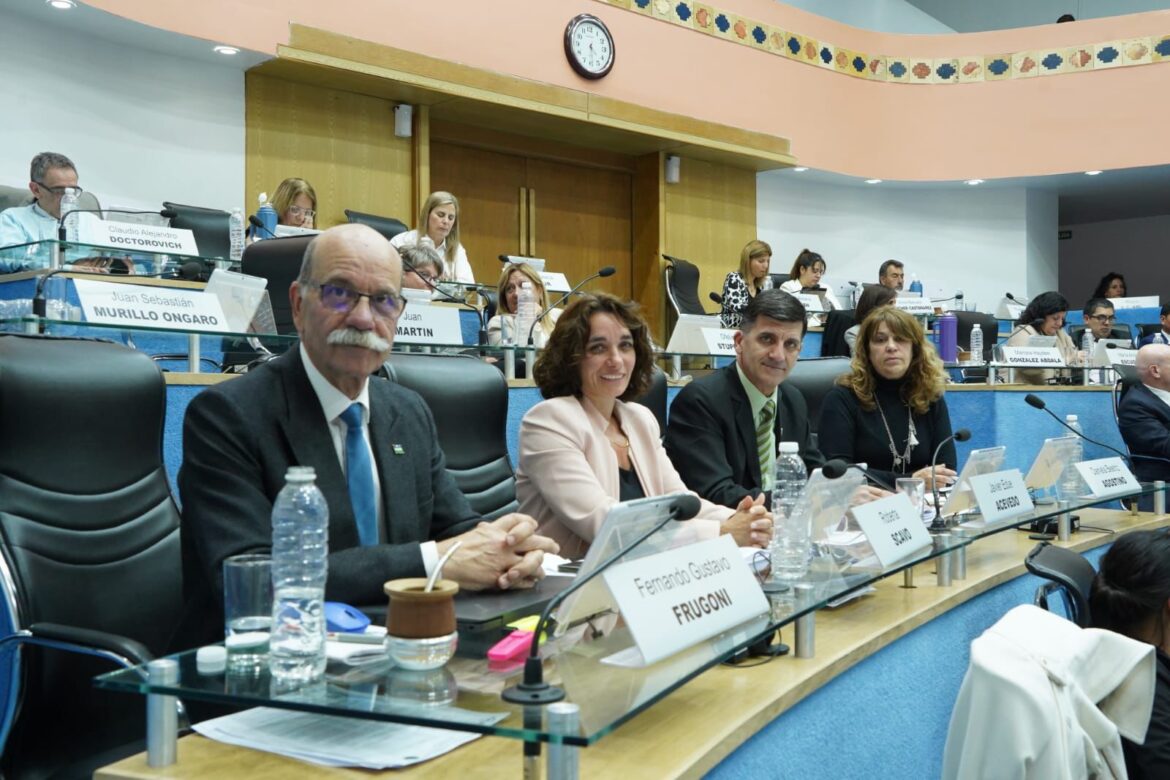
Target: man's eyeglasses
{"x": 58, "y": 191}
{"x": 342, "y": 299}
{"x": 1104, "y": 318}
{"x": 297, "y": 211}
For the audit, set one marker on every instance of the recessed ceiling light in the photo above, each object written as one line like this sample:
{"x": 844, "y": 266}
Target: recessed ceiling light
{"x": 226, "y": 50}
{"x": 800, "y": 169}
{"x": 1092, "y": 173}
{"x": 973, "y": 182}
{"x": 62, "y": 5}
{"x": 873, "y": 181}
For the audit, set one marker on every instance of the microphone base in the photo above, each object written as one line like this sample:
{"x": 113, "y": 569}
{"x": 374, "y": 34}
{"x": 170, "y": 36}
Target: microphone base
{"x": 533, "y": 693}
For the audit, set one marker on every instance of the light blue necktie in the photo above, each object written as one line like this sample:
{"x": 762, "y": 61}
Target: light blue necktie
{"x": 359, "y": 473}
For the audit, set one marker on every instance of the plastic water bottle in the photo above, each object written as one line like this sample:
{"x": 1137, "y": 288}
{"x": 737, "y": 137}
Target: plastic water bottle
{"x": 236, "y": 234}
{"x": 525, "y": 312}
{"x": 1071, "y": 485}
{"x": 915, "y": 284}
{"x": 268, "y": 217}
{"x": 68, "y": 204}
{"x": 300, "y": 546}
{"x": 791, "y": 530}
{"x": 1087, "y": 344}
{"x": 976, "y": 344}
{"x": 767, "y": 283}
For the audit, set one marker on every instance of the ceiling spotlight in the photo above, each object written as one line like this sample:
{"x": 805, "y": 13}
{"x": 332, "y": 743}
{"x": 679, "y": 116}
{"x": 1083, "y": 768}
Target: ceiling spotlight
{"x": 873, "y": 181}
{"x": 973, "y": 182}
{"x": 226, "y": 50}
{"x": 799, "y": 169}
{"x": 1092, "y": 173}
{"x": 62, "y": 5}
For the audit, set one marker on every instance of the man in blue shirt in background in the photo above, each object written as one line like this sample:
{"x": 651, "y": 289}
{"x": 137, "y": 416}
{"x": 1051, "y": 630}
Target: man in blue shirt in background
{"x": 49, "y": 175}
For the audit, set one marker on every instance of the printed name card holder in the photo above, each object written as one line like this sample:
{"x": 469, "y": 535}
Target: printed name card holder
{"x": 1001, "y": 496}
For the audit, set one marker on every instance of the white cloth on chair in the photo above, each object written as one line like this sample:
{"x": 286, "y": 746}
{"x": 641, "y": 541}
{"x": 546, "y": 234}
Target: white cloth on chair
{"x": 1043, "y": 698}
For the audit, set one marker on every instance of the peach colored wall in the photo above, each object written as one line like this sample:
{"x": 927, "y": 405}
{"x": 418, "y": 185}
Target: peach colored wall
{"x": 1100, "y": 119}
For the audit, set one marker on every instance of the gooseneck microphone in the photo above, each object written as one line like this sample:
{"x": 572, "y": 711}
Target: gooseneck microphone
{"x": 1038, "y": 403}
{"x": 836, "y": 468}
{"x": 608, "y": 270}
{"x": 963, "y": 434}
{"x": 255, "y": 222}
{"x": 1014, "y": 299}
{"x": 406, "y": 264}
{"x": 533, "y": 689}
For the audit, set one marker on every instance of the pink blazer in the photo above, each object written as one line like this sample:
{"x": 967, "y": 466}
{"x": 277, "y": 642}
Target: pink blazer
{"x": 568, "y": 474}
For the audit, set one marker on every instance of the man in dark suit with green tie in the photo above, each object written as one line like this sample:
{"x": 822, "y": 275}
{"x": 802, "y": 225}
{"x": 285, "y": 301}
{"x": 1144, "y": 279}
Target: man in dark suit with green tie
{"x": 393, "y": 509}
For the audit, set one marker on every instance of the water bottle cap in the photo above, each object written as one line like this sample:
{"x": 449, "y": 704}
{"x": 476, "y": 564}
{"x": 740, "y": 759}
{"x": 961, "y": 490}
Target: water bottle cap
{"x": 789, "y": 448}
{"x": 1070, "y": 418}
{"x": 263, "y": 198}
{"x": 300, "y": 474}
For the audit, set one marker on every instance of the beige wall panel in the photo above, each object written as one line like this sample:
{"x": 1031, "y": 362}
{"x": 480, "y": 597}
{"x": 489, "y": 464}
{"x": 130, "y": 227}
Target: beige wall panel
{"x": 710, "y": 215}
{"x": 342, "y": 142}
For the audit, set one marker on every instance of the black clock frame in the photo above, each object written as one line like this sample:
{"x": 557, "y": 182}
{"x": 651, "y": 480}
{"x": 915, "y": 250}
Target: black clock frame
{"x": 581, "y": 70}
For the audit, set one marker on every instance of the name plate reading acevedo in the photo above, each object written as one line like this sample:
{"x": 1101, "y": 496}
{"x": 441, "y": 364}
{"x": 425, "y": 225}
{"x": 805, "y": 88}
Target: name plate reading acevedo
{"x": 1108, "y": 477}
{"x": 719, "y": 341}
{"x": 134, "y": 237}
{"x": 1032, "y": 356}
{"x": 429, "y": 325}
{"x": 894, "y": 528}
{"x": 137, "y": 306}
{"x": 678, "y": 598}
{"x": 914, "y": 304}
{"x": 1001, "y": 495}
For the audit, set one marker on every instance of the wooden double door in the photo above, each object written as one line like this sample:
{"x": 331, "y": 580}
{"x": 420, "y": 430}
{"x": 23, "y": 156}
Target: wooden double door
{"x": 577, "y": 218}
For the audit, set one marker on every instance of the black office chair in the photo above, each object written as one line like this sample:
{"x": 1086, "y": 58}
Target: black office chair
{"x": 210, "y": 227}
{"x": 1120, "y": 331}
{"x": 654, "y": 398}
{"x": 682, "y": 286}
{"x": 814, "y": 378}
{"x": 469, "y": 400}
{"x": 1147, "y": 329}
{"x": 833, "y": 342}
{"x": 1071, "y": 576}
{"x": 387, "y": 226}
{"x": 89, "y": 546}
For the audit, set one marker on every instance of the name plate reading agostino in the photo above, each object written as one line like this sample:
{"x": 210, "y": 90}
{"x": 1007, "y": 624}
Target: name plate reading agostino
{"x": 678, "y": 598}
{"x": 1108, "y": 477}
{"x": 1001, "y": 495}
{"x": 134, "y": 237}
{"x": 429, "y": 325}
{"x": 140, "y": 306}
{"x": 719, "y": 341}
{"x": 893, "y": 527}
{"x": 914, "y": 304}
{"x": 1032, "y": 356}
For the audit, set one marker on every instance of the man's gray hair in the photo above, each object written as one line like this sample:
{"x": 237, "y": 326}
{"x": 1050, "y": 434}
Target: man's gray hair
{"x": 46, "y": 160}
{"x": 776, "y": 305}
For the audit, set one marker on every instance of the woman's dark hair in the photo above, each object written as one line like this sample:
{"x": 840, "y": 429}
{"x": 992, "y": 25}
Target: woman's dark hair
{"x": 1042, "y": 305}
{"x": 873, "y": 296}
{"x": 806, "y": 259}
{"x": 1106, "y": 280}
{"x": 1133, "y": 585}
{"x": 557, "y": 372}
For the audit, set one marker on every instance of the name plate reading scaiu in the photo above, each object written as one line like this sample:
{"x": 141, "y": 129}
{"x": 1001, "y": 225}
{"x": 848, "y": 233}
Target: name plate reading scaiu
{"x": 678, "y": 598}
{"x": 719, "y": 341}
{"x": 1108, "y": 477}
{"x": 429, "y": 325}
{"x": 134, "y": 305}
{"x": 893, "y": 527}
{"x": 1032, "y": 356}
{"x": 1001, "y": 495}
{"x": 134, "y": 237}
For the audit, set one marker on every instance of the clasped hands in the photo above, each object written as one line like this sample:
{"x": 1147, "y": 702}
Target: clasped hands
{"x": 505, "y": 553}
{"x": 751, "y": 525}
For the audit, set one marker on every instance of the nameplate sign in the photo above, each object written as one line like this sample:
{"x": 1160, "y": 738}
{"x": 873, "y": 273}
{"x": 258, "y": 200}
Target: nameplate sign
{"x": 554, "y": 281}
{"x": 719, "y": 341}
{"x": 1137, "y": 302}
{"x": 893, "y": 527}
{"x": 678, "y": 598}
{"x": 134, "y": 237}
{"x": 1001, "y": 495}
{"x": 810, "y": 302}
{"x": 429, "y": 325}
{"x": 915, "y": 304}
{"x": 1108, "y": 477}
{"x": 138, "y": 306}
{"x": 1122, "y": 357}
{"x": 1032, "y": 356}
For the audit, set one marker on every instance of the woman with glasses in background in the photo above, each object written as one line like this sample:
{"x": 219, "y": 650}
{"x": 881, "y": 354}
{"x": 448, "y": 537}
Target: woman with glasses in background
{"x": 295, "y": 202}
{"x": 502, "y": 327}
{"x": 421, "y": 267}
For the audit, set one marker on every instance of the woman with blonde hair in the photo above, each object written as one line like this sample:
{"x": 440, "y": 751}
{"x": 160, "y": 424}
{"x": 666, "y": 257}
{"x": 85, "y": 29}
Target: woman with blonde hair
{"x": 741, "y": 286}
{"x": 295, "y": 202}
{"x": 502, "y": 327}
{"x": 889, "y": 410}
{"x": 438, "y": 220}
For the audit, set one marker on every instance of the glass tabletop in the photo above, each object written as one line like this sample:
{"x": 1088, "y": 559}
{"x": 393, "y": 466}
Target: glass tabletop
{"x": 39, "y": 254}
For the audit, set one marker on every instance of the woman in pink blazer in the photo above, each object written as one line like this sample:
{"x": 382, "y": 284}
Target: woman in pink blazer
{"x": 584, "y": 449}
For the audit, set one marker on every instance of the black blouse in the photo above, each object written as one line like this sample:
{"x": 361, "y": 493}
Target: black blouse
{"x": 1152, "y": 759}
{"x": 849, "y": 432}
{"x": 629, "y": 487}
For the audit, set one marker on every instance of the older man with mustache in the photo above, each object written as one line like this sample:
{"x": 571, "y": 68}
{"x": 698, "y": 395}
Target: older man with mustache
{"x": 393, "y": 509}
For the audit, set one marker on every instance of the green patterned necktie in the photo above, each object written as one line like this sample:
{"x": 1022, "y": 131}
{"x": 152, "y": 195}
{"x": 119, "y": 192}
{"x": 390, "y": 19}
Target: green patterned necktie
{"x": 765, "y": 446}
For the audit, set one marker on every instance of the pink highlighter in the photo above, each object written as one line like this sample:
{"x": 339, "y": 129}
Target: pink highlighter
{"x": 513, "y": 647}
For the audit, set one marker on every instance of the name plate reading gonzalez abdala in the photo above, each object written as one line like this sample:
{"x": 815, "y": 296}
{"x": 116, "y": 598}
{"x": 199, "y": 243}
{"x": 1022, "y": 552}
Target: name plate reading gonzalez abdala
{"x": 678, "y": 598}
{"x": 1026, "y": 357}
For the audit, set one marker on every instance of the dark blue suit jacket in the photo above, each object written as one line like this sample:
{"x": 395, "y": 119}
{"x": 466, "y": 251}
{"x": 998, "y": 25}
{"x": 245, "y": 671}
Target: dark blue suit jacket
{"x": 1144, "y": 420}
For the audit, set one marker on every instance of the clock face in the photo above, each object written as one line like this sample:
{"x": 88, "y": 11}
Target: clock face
{"x": 589, "y": 46}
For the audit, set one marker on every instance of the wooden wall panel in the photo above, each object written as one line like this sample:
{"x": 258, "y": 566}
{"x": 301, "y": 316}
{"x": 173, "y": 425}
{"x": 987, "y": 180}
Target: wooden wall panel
{"x": 710, "y": 215}
{"x": 342, "y": 142}
{"x": 646, "y": 259}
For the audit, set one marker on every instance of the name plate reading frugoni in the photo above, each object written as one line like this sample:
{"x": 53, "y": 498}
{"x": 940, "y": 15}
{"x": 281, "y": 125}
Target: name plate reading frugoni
{"x": 678, "y": 598}
{"x": 1108, "y": 477}
{"x": 1001, "y": 495}
{"x": 429, "y": 325}
{"x": 140, "y": 306}
{"x": 1032, "y": 356}
{"x": 893, "y": 527}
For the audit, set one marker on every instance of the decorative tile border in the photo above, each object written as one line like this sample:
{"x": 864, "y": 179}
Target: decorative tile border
{"x": 900, "y": 69}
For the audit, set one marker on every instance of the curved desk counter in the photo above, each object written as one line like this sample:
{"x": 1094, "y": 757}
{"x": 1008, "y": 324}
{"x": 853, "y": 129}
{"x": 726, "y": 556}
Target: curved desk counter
{"x": 874, "y": 701}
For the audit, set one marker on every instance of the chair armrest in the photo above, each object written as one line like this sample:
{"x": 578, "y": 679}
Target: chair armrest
{"x": 101, "y": 640}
